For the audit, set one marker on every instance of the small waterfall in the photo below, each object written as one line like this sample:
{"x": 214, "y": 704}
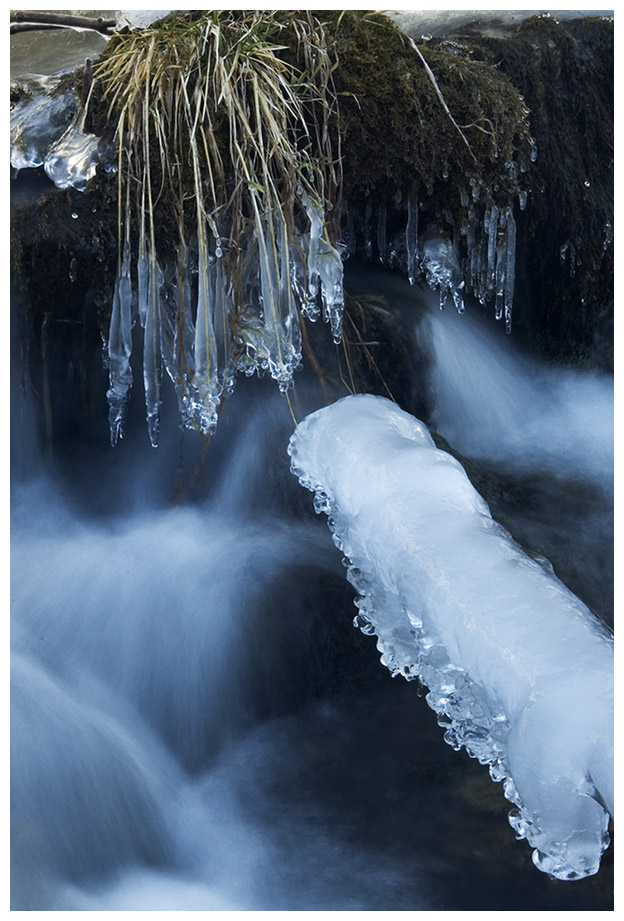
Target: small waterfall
{"x": 197, "y": 725}
{"x": 493, "y": 403}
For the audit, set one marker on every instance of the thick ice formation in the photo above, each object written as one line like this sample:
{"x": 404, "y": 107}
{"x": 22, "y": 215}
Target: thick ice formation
{"x": 37, "y": 122}
{"x": 519, "y": 671}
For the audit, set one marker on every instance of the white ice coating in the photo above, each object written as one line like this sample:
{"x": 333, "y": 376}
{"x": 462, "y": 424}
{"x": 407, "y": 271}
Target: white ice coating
{"x": 519, "y": 671}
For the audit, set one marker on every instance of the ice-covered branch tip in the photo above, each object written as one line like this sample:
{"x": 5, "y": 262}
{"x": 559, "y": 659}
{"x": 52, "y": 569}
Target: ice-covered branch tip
{"x": 519, "y": 671}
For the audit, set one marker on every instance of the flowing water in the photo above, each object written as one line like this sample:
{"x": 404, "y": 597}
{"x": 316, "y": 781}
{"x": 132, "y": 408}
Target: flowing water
{"x": 195, "y": 722}
{"x": 197, "y": 725}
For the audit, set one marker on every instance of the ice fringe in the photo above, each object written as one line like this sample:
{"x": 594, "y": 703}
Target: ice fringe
{"x": 519, "y": 671}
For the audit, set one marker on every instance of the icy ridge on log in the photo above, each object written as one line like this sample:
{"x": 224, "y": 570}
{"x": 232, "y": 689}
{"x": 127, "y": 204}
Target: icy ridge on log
{"x": 519, "y": 671}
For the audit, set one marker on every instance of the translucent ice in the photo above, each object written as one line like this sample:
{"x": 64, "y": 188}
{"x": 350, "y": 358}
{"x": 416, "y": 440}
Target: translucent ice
{"x": 519, "y": 671}
{"x": 324, "y": 266}
{"x": 442, "y": 270}
{"x": 73, "y": 159}
{"x": 37, "y": 123}
{"x": 120, "y": 348}
{"x": 411, "y": 239}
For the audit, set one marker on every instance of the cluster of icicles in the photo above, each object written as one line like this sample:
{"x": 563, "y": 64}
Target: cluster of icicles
{"x": 487, "y": 238}
{"x": 194, "y": 329}
{"x": 197, "y": 330}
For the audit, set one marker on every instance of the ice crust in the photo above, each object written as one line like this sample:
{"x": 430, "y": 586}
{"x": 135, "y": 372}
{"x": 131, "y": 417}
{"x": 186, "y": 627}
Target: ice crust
{"x": 519, "y": 671}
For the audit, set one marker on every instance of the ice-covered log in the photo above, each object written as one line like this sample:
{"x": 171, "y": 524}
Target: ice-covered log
{"x": 519, "y": 670}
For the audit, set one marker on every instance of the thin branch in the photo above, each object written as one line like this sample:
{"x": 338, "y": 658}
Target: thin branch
{"x": 32, "y": 27}
{"x": 26, "y": 20}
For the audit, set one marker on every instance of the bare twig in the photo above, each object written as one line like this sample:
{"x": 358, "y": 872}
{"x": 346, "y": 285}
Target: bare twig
{"x": 32, "y": 27}
{"x": 27, "y": 20}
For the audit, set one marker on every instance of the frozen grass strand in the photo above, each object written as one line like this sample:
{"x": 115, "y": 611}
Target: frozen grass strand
{"x": 287, "y": 296}
{"x": 143, "y": 279}
{"x": 324, "y": 266}
{"x": 152, "y": 354}
{"x": 120, "y": 349}
{"x": 411, "y": 239}
{"x": 222, "y": 326}
{"x": 178, "y": 338}
{"x": 501, "y": 267}
{"x": 206, "y": 391}
{"x": 510, "y": 269}
{"x": 519, "y": 671}
{"x": 492, "y": 231}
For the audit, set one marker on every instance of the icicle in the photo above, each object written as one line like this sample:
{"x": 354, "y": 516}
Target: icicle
{"x": 178, "y": 334}
{"x": 492, "y": 229}
{"x": 458, "y": 297}
{"x": 381, "y": 233}
{"x": 298, "y": 279}
{"x": 222, "y": 325}
{"x": 324, "y": 264}
{"x": 499, "y": 276}
{"x": 290, "y": 316}
{"x": 120, "y": 343}
{"x": 152, "y": 353}
{"x": 142, "y": 266}
{"x": 411, "y": 239}
{"x": 442, "y": 270}
{"x": 206, "y": 394}
{"x": 510, "y": 269}
{"x": 275, "y": 355}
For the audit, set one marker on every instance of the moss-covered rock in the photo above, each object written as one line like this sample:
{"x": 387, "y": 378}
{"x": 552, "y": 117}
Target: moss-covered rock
{"x": 564, "y": 71}
{"x": 448, "y": 125}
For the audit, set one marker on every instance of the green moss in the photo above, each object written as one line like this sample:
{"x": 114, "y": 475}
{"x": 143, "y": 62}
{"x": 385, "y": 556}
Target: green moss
{"x": 395, "y": 130}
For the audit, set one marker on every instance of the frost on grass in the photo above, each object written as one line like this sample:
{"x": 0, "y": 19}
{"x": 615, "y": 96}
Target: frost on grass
{"x": 518, "y": 670}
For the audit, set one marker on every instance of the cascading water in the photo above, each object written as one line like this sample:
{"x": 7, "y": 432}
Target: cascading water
{"x": 196, "y": 725}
